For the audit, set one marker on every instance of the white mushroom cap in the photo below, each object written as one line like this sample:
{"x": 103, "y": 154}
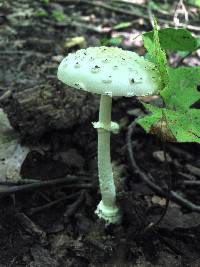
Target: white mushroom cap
{"x": 110, "y": 71}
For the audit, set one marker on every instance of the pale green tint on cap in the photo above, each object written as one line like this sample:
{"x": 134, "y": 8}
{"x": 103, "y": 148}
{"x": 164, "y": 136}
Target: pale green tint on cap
{"x": 110, "y": 71}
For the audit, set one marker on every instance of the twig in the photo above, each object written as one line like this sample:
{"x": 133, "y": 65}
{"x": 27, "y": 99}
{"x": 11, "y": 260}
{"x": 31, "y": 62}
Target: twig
{"x": 79, "y": 186}
{"x": 19, "y": 182}
{"x": 13, "y": 261}
{"x": 5, "y": 95}
{"x": 149, "y": 11}
{"x": 55, "y": 202}
{"x": 180, "y": 152}
{"x": 14, "y": 189}
{"x": 71, "y": 23}
{"x": 24, "y": 52}
{"x": 31, "y": 227}
{"x": 169, "y": 185}
{"x": 180, "y": 9}
{"x": 180, "y": 61}
{"x": 139, "y": 6}
{"x": 188, "y": 26}
{"x": 187, "y": 176}
{"x": 74, "y": 207}
{"x": 193, "y": 169}
{"x": 191, "y": 183}
{"x": 136, "y": 12}
{"x": 147, "y": 178}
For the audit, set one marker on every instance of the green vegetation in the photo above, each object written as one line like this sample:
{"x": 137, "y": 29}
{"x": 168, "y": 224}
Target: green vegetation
{"x": 177, "y": 120}
{"x": 46, "y": 2}
{"x": 114, "y": 41}
{"x": 194, "y": 2}
{"x": 41, "y": 13}
{"x": 58, "y": 15}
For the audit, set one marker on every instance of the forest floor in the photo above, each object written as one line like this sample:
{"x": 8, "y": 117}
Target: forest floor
{"x": 55, "y": 225}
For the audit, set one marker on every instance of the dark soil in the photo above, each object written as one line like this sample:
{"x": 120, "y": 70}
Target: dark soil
{"x": 56, "y": 225}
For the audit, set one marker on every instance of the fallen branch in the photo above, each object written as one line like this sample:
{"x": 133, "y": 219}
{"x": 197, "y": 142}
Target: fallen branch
{"x": 5, "y": 190}
{"x": 31, "y": 228}
{"x": 191, "y": 183}
{"x": 136, "y": 12}
{"x": 180, "y": 61}
{"x": 52, "y": 203}
{"x": 147, "y": 178}
{"x": 71, "y": 209}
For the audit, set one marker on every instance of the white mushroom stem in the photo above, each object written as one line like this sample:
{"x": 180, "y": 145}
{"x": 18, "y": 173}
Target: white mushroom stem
{"x": 107, "y": 208}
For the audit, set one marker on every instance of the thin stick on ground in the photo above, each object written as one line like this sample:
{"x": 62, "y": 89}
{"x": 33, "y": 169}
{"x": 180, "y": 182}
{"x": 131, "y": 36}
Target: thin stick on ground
{"x": 136, "y": 12}
{"x": 71, "y": 209}
{"x": 191, "y": 183}
{"x": 147, "y": 178}
{"x": 52, "y": 203}
{"x": 41, "y": 184}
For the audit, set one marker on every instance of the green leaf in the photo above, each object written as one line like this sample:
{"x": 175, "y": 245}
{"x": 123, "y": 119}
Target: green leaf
{"x": 122, "y": 25}
{"x": 181, "y": 91}
{"x": 180, "y": 126}
{"x": 58, "y": 15}
{"x": 183, "y": 54}
{"x": 178, "y": 121}
{"x": 185, "y": 126}
{"x": 41, "y": 13}
{"x": 153, "y": 6}
{"x": 194, "y": 2}
{"x": 114, "y": 41}
{"x": 149, "y": 120}
{"x": 150, "y": 58}
{"x": 172, "y": 39}
{"x": 46, "y": 2}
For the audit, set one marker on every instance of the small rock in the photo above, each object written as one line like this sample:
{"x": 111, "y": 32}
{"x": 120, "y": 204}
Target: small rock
{"x": 78, "y": 41}
{"x": 57, "y": 58}
{"x": 193, "y": 169}
{"x": 158, "y": 200}
{"x": 160, "y": 157}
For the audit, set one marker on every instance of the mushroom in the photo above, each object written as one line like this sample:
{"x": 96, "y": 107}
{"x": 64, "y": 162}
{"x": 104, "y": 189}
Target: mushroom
{"x": 108, "y": 71}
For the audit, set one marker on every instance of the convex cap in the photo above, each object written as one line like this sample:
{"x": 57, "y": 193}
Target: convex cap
{"x": 110, "y": 71}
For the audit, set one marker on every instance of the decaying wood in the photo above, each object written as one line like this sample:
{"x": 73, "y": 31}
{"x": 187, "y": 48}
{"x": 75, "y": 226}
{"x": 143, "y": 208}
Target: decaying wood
{"x": 49, "y": 107}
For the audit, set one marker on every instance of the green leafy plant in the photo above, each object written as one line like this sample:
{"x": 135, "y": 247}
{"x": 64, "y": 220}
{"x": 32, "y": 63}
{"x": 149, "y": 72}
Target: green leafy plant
{"x": 41, "y": 13}
{"x": 114, "y": 41}
{"x": 194, "y": 2}
{"x": 177, "y": 120}
{"x": 58, "y": 15}
{"x": 45, "y": 2}
{"x": 122, "y": 25}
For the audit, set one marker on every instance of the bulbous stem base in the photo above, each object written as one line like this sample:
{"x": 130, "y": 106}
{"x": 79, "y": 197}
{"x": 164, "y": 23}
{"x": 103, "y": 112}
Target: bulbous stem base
{"x": 110, "y": 214}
